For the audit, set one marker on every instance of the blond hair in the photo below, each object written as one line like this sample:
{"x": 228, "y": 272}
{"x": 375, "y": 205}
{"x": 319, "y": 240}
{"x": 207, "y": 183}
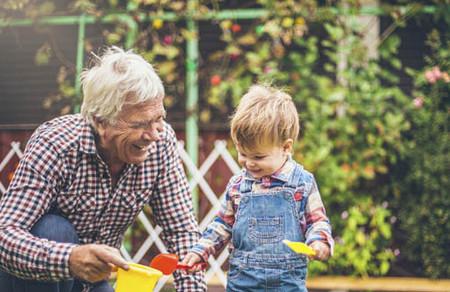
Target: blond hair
{"x": 265, "y": 116}
{"x": 118, "y": 77}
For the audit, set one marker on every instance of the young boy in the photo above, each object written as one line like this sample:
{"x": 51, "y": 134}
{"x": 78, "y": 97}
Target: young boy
{"x": 272, "y": 199}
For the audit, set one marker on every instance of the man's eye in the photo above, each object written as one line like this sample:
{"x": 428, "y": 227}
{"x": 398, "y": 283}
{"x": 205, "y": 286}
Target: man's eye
{"x": 138, "y": 126}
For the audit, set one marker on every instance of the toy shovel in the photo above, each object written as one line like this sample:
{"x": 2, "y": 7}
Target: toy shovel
{"x": 167, "y": 263}
{"x": 300, "y": 247}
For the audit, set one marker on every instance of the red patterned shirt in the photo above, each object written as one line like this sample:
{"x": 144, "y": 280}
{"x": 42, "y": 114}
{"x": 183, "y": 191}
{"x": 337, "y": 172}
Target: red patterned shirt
{"x": 62, "y": 170}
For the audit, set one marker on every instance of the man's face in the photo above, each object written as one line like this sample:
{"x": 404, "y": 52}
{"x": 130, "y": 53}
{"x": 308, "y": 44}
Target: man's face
{"x": 129, "y": 140}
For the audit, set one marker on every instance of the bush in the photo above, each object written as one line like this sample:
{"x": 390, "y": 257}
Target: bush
{"x": 420, "y": 180}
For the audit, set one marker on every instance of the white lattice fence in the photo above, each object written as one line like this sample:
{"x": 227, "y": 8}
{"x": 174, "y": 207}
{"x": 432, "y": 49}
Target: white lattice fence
{"x": 219, "y": 152}
{"x": 14, "y": 151}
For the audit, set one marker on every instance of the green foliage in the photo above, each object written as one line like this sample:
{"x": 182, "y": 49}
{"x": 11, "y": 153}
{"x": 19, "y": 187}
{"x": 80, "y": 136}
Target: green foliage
{"x": 421, "y": 179}
{"x": 359, "y": 247}
{"x": 43, "y": 55}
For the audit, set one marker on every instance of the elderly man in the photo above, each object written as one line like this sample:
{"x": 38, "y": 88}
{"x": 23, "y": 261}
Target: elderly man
{"x": 85, "y": 177}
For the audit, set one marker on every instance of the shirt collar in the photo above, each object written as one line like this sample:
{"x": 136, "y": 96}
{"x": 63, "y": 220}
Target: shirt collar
{"x": 282, "y": 174}
{"x": 87, "y": 139}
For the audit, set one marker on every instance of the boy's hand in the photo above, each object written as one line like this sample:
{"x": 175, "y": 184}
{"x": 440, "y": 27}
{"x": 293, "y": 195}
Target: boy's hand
{"x": 190, "y": 260}
{"x": 322, "y": 250}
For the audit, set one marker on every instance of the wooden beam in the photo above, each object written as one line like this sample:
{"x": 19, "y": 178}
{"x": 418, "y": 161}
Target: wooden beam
{"x": 398, "y": 284}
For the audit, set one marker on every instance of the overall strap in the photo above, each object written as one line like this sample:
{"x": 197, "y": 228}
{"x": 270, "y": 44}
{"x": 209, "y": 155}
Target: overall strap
{"x": 301, "y": 182}
{"x": 245, "y": 186}
{"x": 296, "y": 179}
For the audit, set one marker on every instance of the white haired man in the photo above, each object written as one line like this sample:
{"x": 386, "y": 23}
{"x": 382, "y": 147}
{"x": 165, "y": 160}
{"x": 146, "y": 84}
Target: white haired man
{"x": 85, "y": 177}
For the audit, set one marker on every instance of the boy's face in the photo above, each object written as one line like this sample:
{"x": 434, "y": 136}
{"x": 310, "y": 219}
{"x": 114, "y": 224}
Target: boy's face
{"x": 265, "y": 160}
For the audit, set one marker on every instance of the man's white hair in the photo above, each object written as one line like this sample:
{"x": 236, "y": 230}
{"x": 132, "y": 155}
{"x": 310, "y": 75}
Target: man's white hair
{"x": 118, "y": 77}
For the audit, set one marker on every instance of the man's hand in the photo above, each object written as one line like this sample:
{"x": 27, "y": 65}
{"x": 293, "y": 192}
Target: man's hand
{"x": 322, "y": 250}
{"x": 95, "y": 262}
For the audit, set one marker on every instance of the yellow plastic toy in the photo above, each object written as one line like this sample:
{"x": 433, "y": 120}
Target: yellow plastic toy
{"x": 300, "y": 247}
{"x": 138, "y": 278}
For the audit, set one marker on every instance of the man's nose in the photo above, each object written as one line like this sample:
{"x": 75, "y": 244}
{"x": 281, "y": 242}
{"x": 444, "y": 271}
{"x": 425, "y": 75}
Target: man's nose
{"x": 152, "y": 134}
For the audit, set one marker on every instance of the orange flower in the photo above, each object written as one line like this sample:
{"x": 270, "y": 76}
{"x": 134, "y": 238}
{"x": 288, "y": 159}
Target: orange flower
{"x": 236, "y": 28}
{"x": 215, "y": 80}
{"x": 345, "y": 167}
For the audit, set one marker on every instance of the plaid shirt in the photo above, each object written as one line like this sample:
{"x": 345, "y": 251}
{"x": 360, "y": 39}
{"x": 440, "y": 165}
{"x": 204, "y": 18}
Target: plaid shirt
{"x": 315, "y": 224}
{"x": 61, "y": 170}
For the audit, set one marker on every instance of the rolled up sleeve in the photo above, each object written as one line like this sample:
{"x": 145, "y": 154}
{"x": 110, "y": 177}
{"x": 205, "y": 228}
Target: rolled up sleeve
{"x": 318, "y": 225}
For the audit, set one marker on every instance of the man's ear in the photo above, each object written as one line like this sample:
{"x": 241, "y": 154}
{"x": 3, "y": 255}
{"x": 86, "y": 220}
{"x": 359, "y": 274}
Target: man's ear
{"x": 99, "y": 126}
{"x": 287, "y": 146}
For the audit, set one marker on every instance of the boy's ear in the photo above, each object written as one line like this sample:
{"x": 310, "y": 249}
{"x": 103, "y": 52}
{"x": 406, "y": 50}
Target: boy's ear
{"x": 287, "y": 145}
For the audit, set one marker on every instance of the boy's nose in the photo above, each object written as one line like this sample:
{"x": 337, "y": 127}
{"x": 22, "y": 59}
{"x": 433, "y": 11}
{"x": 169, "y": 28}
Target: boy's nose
{"x": 250, "y": 164}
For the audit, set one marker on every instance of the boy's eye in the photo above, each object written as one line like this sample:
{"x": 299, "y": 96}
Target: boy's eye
{"x": 260, "y": 157}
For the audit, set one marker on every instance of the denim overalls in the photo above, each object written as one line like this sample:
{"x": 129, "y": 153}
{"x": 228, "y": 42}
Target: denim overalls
{"x": 260, "y": 261}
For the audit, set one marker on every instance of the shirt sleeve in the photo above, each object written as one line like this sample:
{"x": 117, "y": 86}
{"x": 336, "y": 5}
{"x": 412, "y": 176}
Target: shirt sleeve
{"x": 29, "y": 196}
{"x": 172, "y": 208}
{"x": 318, "y": 225}
{"x": 218, "y": 232}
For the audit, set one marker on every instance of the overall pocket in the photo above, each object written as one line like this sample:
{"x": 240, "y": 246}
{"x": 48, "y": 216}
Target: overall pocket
{"x": 266, "y": 229}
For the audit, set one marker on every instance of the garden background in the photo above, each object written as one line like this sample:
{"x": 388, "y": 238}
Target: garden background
{"x": 370, "y": 79}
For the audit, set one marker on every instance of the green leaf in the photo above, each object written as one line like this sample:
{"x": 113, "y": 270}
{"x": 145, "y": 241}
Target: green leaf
{"x": 43, "y": 55}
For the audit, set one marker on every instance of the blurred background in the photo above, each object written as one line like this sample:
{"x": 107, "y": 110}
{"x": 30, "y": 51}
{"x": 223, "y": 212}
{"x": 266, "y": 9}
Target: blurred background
{"x": 370, "y": 80}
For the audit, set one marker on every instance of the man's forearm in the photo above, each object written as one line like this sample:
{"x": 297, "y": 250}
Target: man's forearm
{"x": 29, "y": 257}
